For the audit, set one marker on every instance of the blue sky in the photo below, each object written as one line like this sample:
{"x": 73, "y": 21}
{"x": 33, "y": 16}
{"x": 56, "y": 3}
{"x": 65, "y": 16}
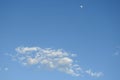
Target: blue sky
{"x": 92, "y": 33}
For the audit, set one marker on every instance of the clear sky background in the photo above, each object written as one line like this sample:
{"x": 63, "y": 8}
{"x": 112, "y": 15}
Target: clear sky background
{"x": 91, "y": 32}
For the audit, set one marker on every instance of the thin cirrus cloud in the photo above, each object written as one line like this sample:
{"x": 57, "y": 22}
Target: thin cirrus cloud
{"x": 94, "y": 74}
{"x": 52, "y": 59}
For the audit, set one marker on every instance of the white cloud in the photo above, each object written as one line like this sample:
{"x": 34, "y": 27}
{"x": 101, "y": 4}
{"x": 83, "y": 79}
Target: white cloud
{"x": 94, "y": 74}
{"x": 50, "y": 58}
{"x": 65, "y": 61}
{"x": 32, "y": 61}
{"x": 26, "y": 49}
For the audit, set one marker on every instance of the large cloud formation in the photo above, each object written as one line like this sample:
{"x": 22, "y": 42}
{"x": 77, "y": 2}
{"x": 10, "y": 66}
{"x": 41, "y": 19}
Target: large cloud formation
{"x": 51, "y": 58}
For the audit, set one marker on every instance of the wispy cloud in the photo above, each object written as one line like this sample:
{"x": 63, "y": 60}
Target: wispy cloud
{"x": 94, "y": 74}
{"x": 52, "y": 59}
